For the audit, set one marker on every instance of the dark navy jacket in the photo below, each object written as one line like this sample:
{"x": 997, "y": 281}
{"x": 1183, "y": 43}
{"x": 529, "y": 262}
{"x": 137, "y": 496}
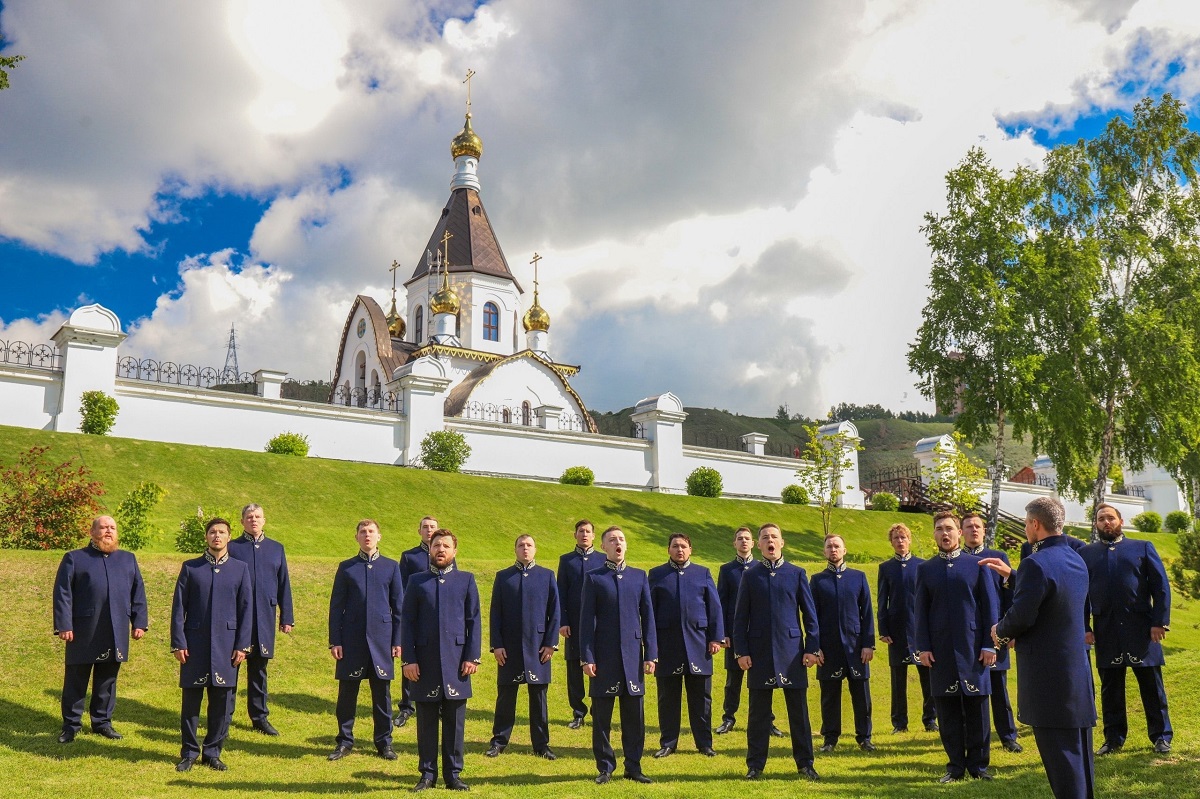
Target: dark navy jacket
{"x": 688, "y": 616}
{"x": 364, "y": 617}
{"x": 99, "y": 598}
{"x": 271, "y": 588}
{"x": 571, "y": 568}
{"x": 1003, "y": 595}
{"x": 897, "y": 585}
{"x": 771, "y": 605}
{"x": 440, "y": 631}
{"x": 524, "y": 618}
{"x": 210, "y": 618}
{"x": 616, "y": 629}
{"x": 955, "y": 607}
{"x": 729, "y": 579}
{"x": 1129, "y": 594}
{"x": 843, "y": 603}
{"x": 1073, "y": 542}
{"x": 413, "y": 561}
{"x": 1054, "y": 681}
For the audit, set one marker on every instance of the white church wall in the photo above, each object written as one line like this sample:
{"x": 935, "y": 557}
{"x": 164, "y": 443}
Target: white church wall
{"x": 1015, "y": 496}
{"x": 29, "y": 397}
{"x": 520, "y": 381}
{"x": 743, "y": 474}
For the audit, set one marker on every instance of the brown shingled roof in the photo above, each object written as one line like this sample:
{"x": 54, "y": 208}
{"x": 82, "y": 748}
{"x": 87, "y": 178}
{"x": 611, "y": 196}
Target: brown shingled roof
{"x": 393, "y": 353}
{"x": 473, "y": 247}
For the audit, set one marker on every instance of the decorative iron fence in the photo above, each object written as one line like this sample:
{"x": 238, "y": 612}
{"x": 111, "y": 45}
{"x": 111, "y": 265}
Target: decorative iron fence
{"x": 370, "y": 398}
{"x": 1131, "y": 491}
{"x": 38, "y": 356}
{"x": 891, "y": 474}
{"x": 523, "y": 415}
{"x": 175, "y": 374}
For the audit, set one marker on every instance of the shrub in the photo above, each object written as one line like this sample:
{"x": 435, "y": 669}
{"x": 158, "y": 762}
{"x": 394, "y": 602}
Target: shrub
{"x": 444, "y": 451}
{"x": 190, "y": 538}
{"x": 287, "y": 443}
{"x": 131, "y": 515}
{"x": 882, "y": 500}
{"x": 44, "y": 506}
{"x": 794, "y": 495}
{"x": 704, "y": 482}
{"x": 577, "y": 476}
{"x": 1177, "y": 521}
{"x": 99, "y": 412}
{"x": 1148, "y": 522}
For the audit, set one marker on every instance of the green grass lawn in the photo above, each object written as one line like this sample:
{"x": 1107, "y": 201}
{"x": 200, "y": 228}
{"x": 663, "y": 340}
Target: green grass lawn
{"x": 312, "y": 505}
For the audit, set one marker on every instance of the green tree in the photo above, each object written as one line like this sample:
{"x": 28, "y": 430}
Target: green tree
{"x": 826, "y": 459}
{"x": 955, "y": 479}
{"x": 7, "y": 64}
{"x": 975, "y": 347}
{"x": 1117, "y": 233}
{"x": 133, "y": 515}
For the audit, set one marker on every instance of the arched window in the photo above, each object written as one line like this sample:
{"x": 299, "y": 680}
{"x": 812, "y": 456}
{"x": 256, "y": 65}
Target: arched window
{"x": 491, "y": 322}
{"x": 526, "y": 413}
{"x": 506, "y": 416}
{"x": 419, "y": 325}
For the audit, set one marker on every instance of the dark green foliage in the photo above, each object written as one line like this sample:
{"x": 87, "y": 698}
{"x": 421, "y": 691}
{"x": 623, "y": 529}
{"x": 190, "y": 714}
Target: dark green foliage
{"x": 1148, "y": 522}
{"x": 45, "y": 506}
{"x": 882, "y": 500}
{"x": 704, "y": 482}
{"x": 444, "y": 451}
{"x": 1177, "y": 521}
{"x": 287, "y": 443}
{"x": 577, "y": 476}
{"x": 131, "y": 515}
{"x": 190, "y": 538}
{"x": 99, "y": 412}
{"x": 794, "y": 495}
{"x": 1185, "y": 570}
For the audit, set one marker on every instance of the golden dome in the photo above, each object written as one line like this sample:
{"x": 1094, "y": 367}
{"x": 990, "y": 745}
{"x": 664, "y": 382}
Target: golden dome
{"x": 536, "y": 317}
{"x": 444, "y": 301}
{"x": 466, "y": 142}
{"x": 395, "y": 322}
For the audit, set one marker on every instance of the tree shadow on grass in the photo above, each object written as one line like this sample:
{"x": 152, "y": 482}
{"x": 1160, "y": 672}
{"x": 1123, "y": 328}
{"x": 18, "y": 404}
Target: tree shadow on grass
{"x": 23, "y": 729}
{"x": 303, "y": 703}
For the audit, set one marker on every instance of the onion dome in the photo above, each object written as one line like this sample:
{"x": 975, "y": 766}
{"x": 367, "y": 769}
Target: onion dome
{"x": 395, "y": 322}
{"x": 444, "y": 301}
{"x": 466, "y": 142}
{"x": 536, "y": 317}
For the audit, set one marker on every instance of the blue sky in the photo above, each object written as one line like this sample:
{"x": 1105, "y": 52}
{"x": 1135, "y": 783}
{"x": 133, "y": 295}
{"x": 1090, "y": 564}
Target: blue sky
{"x": 260, "y": 162}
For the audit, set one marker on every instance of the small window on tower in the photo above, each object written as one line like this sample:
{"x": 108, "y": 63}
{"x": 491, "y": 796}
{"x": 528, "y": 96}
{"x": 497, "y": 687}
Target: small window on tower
{"x": 491, "y": 322}
{"x": 419, "y": 325}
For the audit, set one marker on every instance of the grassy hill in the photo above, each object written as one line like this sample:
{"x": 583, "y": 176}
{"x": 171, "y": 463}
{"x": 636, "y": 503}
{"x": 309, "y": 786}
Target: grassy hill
{"x": 312, "y": 505}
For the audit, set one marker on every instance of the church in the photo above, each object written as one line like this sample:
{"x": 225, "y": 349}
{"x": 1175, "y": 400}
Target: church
{"x": 463, "y": 307}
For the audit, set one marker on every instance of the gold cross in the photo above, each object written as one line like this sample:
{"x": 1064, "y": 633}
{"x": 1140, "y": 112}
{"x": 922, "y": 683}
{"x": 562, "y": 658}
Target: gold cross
{"x": 394, "y": 267}
{"x": 534, "y": 261}
{"x": 470, "y": 74}
{"x": 446, "y": 236}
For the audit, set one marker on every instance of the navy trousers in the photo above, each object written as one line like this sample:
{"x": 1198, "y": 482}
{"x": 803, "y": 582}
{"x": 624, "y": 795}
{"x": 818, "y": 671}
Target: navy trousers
{"x": 733, "y": 687}
{"x": 256, "y": 687}
{"x": 1067, "y": 758}
{"x": 1002, "y": 713}
{"x": 506, "y": 715}
{"x": 699, "y": 702}
{"x": 575, "y": 687}
{"x": 965, "y": 732}
{"x": 900, "y": 696}
{"x": 104, "y": 694}
{"x": 381, "y": 711}
{"x": 405, "y": 703}
{"x": 758, "y": 729}
{"x": 831, "y": 709}
{"x": 220, "y": 709}
{"x": 633, "y": 732}
{"x": 452, "y": 713}
{"x": 1154, "y": 702}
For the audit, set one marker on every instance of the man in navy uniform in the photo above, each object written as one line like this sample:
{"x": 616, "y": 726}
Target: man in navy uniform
{"x": 1055, "y": 695}
{"x": 210, "y": 637}
{"x": 413, "y": 561}
{"x": 974, "y": 531}
{"x": 690, "y": 630}
{"x": 843, "y": 602}
{"x": 955, "y": 607}
{"x": 618, "y": 643}
{"x": 98, "y": 596}
{"x": 524, "y": 635}
{"x": 441, "y": 645}
{"x": 271, "y": 598}
{"x": 364, "y": 637}
{"x": 897, "y": 585}
{"x": 1130, "y": 616}
{"x": 572, "y": 566}
{"x": 771, "y": 646}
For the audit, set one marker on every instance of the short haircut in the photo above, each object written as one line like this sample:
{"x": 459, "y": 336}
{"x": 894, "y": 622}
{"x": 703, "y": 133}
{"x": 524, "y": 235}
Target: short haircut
{"x": 96, "y": 521}
{"x": 364, "y": 523}
{"x": 770, "y": 524}
{"x": 582, "y": 522}
{"x": 1113, "y": 508}
{"x": 1049, "y": 512}
{"x": 518, "y": 540}
{"x": 443, "y": 533}
{"x": 609, "y": 530}
{"x": 743, "y": 527}
{"x": 250, "y": 507}
{"x": 973, "y": 515}
{"x": 899, "y": 527}
{"x": 425, "y": 519}
{"x": 834, "y": 535}
{"x": 947, "y": 514}
{"x": 213, "y": 522}
{"x": 686, "y": 539}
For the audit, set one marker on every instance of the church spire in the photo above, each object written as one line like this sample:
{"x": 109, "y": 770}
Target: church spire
{"x": 536, "y": 321}
{"x": 466, "y": 149}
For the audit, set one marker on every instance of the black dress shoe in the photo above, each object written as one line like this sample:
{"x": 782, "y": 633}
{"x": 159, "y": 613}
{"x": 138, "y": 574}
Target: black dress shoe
{"x": 826, "y": 748}
{"x": 214, "y": 763}
{"x": 1162, "y": 746}
{"x": 424, "y": 784}
{"x": 753, "y": 774}
{"x": 982, "y": 774}
{"x": 494, "y": 750}
{"x": 931, "y": 727}
{"x": 337, "y": 754}
{"x": 66, "y": 736}
{"x": 575, "y": 723}
{"x": 666, "y": 751}
{"x": 265, "y": 727}
{"x": 387, "y": 753}
{"x": 708, "y": 752}
{"x": 546, "y": 754}
{"x": 775, "y": 731}
{"x": 948, "y": 777}
{"x": 809, "y": 773}
{"x": 1108, "y": 749}
{"x": 1011, "y": 745}
{"x": 108, "y": 732}
{"x": 603, "y": 777}
{"x": 867, "y": 746}
{"x": 725, "y": 727}
{"x": 898, "y": 730}
{"x": 457, "y": 785}
{"x": 185, "y": 764}
{"x": 639, "y": 777}
{"x": 401, "y": 718}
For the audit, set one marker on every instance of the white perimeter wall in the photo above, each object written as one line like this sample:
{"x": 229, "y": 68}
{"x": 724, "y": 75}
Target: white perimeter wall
{"x": 1015, "y": 496}
{"x": 29, "y": 397}
{"x": 747, "y": 475}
